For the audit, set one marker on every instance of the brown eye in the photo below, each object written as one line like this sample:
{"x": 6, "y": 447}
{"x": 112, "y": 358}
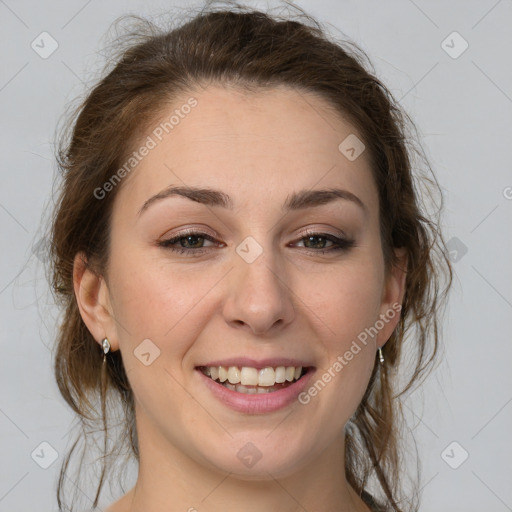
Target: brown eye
{"x": 321, "y": 238}
{"x": 188, "y": 243}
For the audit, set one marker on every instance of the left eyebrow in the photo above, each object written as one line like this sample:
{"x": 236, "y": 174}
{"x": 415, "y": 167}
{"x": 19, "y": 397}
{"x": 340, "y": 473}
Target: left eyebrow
{"x": 297, "y": 200}
{"x": 311, "y": 198}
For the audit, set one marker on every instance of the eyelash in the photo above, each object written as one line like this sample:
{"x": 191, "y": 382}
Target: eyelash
{"x": 341, "y": 243}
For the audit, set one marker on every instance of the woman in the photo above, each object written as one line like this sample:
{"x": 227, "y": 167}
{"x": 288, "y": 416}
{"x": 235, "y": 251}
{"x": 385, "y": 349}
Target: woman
{"x": 240, "y": 250}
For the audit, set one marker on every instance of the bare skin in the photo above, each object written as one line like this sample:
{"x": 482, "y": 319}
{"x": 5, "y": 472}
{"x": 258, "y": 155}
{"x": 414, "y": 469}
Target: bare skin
{"x": 291, "y": 301}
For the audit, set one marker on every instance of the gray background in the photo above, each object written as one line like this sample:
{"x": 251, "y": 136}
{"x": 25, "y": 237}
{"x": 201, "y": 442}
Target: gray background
{"x": 462, "y": 107}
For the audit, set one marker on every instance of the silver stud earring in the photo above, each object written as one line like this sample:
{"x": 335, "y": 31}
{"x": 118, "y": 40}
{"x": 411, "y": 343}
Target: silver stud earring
{"x": 106, "y": 347}
{"x": 381, "y": 357}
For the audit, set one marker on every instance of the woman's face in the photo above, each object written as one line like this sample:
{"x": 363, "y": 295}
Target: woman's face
{"x": 272, "y": 288}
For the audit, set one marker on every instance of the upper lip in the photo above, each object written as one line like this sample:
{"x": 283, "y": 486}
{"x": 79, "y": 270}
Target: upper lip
{"x": 258, "y": 363}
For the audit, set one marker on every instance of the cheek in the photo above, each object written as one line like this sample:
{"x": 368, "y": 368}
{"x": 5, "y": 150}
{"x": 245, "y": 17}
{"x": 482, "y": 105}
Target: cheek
{"x": 346, "y": 300}
{"x": 151, "y": 301}
{"x": 348, "y": 309}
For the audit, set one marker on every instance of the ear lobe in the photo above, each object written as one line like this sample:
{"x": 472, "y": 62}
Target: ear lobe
{"x": 392, "y": 297}
{"x": 93, "y": 301}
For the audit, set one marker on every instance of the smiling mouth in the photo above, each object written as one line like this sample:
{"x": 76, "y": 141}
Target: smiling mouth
{"x": 253, "y": 381}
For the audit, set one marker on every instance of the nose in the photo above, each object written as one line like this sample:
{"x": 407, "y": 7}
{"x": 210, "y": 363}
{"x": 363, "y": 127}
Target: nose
{"x": 259, "y": 299}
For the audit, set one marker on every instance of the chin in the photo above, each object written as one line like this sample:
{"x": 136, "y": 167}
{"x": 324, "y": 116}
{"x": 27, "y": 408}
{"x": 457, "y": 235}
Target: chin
{"x": 259, "y": 459}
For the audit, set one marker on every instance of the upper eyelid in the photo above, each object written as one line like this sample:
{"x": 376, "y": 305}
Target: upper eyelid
{"x": 208, "y": 236}
{"x": 341, "y": 238}
{"x": 303, "y": 230}
{"x": 178, "y": 236}
{"x": 340, "y": 243}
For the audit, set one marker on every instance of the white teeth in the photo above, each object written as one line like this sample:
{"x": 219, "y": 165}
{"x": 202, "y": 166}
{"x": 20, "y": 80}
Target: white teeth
{"x": 280, "y": 374}
{"x": 223, "y": 374}
{"x": 247, "y": 376}
{"x": 266, "y": 377}
{"x": 234, "y": 375}
{"x": 242, "y": 389}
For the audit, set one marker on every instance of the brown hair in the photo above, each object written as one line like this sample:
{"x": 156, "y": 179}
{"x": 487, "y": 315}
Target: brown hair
{"x": 248, "y": 49}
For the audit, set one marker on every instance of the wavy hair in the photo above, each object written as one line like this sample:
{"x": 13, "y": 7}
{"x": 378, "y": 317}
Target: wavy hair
{"x": 248, "y": 49}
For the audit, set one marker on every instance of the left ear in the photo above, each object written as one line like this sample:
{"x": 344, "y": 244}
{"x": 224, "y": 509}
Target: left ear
{"x": 392, "y": 297}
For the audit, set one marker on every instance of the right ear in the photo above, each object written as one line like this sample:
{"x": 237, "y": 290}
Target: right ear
{"x": 93, "y": 299}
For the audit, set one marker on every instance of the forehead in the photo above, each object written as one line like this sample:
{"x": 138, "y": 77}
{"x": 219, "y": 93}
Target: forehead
{"x": 252, "y": 145}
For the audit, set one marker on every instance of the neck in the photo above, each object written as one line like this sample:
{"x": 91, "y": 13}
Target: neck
{"x": 170, "y": 480}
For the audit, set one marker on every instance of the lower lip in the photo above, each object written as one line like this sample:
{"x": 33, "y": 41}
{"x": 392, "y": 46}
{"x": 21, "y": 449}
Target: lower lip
{"x": 257, "y": 403}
